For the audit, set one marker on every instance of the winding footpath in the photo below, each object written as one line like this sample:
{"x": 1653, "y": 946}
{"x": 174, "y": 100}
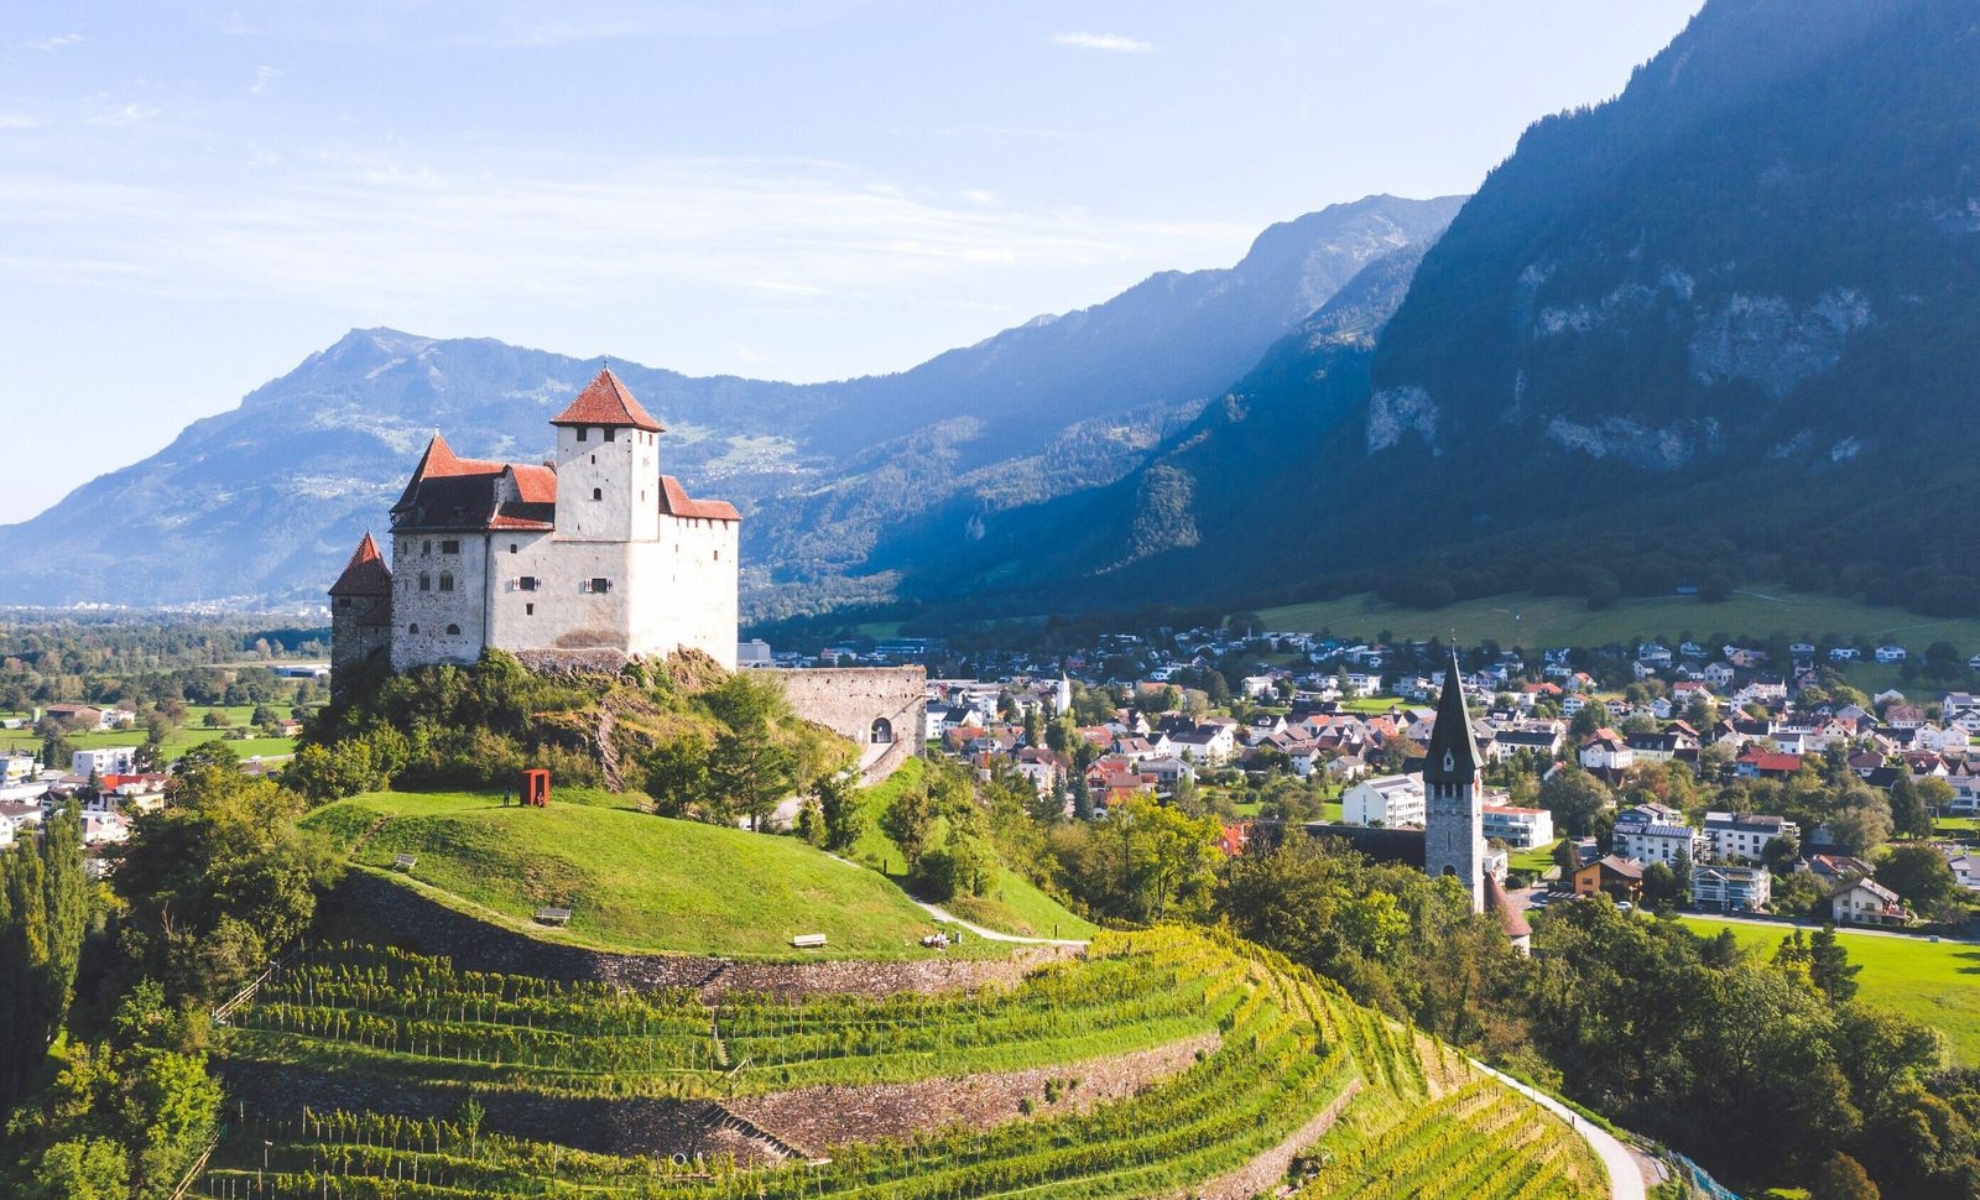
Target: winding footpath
{"x": 944, "y": 917}
{"x": 1625, "y": 1177}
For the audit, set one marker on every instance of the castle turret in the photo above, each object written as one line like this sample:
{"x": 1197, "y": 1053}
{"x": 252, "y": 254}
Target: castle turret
{"x": 608, "y": 466}
{"x": 1454, "y": 823}
{"x": 360, "y": 614}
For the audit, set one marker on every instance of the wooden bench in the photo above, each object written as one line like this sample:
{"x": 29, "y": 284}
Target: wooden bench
{"x": 404, "y": 862}
{"x": 553, "y": 916}
{"x": 808, "y": 941}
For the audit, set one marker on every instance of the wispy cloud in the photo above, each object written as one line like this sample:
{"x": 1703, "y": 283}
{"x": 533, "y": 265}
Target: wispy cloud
{"x": 124, "y": 114}
{"x": 263, "y": 76}
{"x": 1113, "y": 43}
{"x": 50, "y": 45}
{"x": 18, "y": 121}
{"x": 380, "y": 232}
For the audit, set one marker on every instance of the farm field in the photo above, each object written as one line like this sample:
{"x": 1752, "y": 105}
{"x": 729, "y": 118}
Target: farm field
{"x": 1937, "y": 983}
{"x": 633, "y": 881}
{"x": 1567, "y": 621}
{"x": 193, "y": 733}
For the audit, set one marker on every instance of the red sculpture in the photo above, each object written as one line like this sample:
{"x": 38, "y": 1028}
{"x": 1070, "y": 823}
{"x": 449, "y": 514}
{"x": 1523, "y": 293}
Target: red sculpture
{"x": 536, "y": 787}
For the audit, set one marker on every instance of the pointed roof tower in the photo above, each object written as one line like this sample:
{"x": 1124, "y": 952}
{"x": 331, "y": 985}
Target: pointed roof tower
{"x": 1453, "y": 756}
{"x": 366, "y": 574}
{"x": 605, "y": 401}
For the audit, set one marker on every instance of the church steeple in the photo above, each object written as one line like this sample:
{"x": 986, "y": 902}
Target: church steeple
{"x": 1454, "y": 799}
{"x": 1453, "y": 754}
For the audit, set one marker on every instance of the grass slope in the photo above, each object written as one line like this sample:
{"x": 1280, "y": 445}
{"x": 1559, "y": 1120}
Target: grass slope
{"x": 633, "y": 881}
{"x": 1567, "y": 621}
{"x": 1935, "y": 982}
{"x": 1016, "y": 905}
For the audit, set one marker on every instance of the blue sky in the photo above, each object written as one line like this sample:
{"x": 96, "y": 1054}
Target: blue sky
{"x": 194, "y": 196}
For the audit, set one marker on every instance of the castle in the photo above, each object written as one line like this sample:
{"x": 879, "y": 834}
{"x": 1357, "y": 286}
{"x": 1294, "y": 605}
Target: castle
{"x": 593, "y": 551}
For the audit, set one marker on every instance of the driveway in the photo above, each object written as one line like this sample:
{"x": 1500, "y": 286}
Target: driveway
{"x": 1625, "y": 1177}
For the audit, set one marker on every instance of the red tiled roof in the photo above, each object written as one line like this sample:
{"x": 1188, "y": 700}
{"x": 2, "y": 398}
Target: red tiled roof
{"x": 607, "y": 402}
{"x": 366, "y": 574}
{"x": 1512, "y": 921}
{"x": 675, "y": 502}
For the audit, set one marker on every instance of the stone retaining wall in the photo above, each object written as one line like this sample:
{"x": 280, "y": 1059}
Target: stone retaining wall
{"x": 429, "y": 927}
{"x": 818, "y": 1118}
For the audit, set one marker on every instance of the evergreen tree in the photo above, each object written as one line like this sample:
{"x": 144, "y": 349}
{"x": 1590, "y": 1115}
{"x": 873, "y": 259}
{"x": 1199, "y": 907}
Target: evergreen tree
{"x": 838, "y": 803}
{"x": 44, "y": 908}
{"x": 1829, "y": 965}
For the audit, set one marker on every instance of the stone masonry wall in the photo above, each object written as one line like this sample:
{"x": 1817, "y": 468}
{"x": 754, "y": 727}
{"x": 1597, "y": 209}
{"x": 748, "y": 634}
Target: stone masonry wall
{"x": 818, "y": 1118}
{"x": 847, "y": 700}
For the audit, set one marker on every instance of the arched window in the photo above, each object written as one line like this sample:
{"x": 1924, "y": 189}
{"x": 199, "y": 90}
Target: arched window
{"x": 453, "y": 629}
{"x": 413, "y": 628}
{"x": 446, "y": 581}
{"x": 882, "y": 732}
{"x": 1451, "y": 871}
{"x": 425, "y": 582}
{"x": 597, "y": 493}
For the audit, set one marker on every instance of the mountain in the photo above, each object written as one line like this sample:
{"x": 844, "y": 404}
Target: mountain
{"x": 1718, "y": 329}
{"x": 266, "y": 500}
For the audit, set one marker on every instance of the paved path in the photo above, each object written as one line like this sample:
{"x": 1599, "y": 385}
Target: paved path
{"x": 1625, "y": 1177}
{"x": 946, "y": 917}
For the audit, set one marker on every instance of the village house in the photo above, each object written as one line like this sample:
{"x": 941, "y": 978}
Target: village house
{"x": 1619, "y": 878}
{"x": 1867, "y": 902}
{"x": 1389, "y": 801}
{"x": 1519, "y": 828}
{"x": 1734, "y": 837}
{"x": 1731, "y": 889}
{"x": 1656, "y": 833}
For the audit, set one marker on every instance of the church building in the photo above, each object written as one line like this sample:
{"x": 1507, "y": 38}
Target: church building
{"x": 1454, "y": 812}
{"x": 593, "y": 550}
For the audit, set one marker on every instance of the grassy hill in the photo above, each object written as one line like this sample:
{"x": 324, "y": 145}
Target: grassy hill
{"x": 1568, "y": 621}
{"x": 633, "y": 881}
{"x": 1931, "y": 982}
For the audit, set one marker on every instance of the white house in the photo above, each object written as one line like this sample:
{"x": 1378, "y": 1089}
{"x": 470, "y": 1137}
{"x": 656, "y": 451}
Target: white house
{"x": 1388, "y": 801}
{"x": 1730, "y": 889}
{"x": 1890, "y": 654}
{"x": 1606, "y": 750}
{"x": 105, "y": 760}
{"x": 1520, "y": 828}
{"x": 1654, "y": 833}
{"x": 1735, "y": 836}
{"x": 1867, "y": 902}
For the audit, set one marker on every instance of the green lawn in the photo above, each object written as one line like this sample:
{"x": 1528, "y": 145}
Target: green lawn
{"x": 193, "y": 733}
{"x": 1562, "y": 620}
{"x": 1014, "y": 905}
{"x": 633, "y": 881}
{"x": 1535, "y": 862}
{"x": 1937, "y": 983}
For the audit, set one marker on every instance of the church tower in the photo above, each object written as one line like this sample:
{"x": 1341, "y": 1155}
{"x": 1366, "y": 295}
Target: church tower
{"x": 1454, "y": 823}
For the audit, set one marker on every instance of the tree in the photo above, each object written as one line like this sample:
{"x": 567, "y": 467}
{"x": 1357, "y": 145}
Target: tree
{"x": 83, "y": 1169}
{"x": 838, "y": 804}
{"x": 909, "y": 821}
{"x": 677, "y": 774}
{"x": 44, "y": 911}
{"x": 1575, "y": 798}
{"x": 1843, "y": 1178}
{"x": 1860, "y": 829}
{"x": 1920, "y": 875}
{"x": 1909, "y": 815}
{"x": 749, "y": 775}
{"x": 1829, "y": 966}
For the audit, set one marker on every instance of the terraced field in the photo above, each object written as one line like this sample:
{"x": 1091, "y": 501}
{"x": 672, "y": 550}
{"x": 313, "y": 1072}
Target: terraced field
{"x": 1170, "y": 1062}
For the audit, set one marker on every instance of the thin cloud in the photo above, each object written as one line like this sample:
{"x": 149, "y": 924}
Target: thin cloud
{"x": 263, "y": 76}
{"x": 50, "y": 45}
{"x": 1112, "y": 43}
{"x": 19, "y": 121}
{"x": 128, "y": 114}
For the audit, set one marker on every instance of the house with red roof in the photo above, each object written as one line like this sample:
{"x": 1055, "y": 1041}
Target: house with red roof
{"x": 592, "y": 551}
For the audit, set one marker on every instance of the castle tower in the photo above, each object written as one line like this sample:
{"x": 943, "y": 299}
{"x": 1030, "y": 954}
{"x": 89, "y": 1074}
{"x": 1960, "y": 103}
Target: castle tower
{"x": 1454, "y": 822}
{"x": 608, "y": 466}
{"x": 360, "y": 614}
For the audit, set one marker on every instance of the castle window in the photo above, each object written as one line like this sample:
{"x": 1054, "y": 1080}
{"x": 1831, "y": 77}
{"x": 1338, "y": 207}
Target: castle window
{"x": 600, "y": 584}
{"x": 450, "y": 546}
{"x": 594, "y": 460}
{"x": 611, "y": 434}
{"x": 446, "y": 581}
{"x": 597, "y": 493}
{"x": 527, "y": 583}
{"x": 425, "y": 582}
{"x": 529, "y": 610}
{"x": 512, "y": 547}
{"x": 583, "y": 433}
{"x": 413, "y": 628}
{"x": 718, "y": 556}
{"x": 453, "y": 629}
{"x": 426, "y": 547}
{"x": 343, "y": 602}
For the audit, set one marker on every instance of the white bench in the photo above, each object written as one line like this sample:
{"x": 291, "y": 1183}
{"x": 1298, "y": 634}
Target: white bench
{"x": 808, "y": 941}
{"x": 404, "y": 862}
{"x": 554, "y": 916}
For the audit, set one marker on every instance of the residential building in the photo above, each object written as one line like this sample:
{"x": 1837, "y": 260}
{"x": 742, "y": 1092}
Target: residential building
{"x": 104, "y": 760}
{"x": 1733, "y": 837}
{"x": 1389, "y": 801}
{"x": 1867, "y": 902}
{"x": 1731, "y": 889}
{"x": 1619, "y": 878}
{"x": 1654, "y": 833}
{"x": 1520, "y": 828}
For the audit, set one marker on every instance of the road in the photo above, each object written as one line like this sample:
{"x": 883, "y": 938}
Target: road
{"x": 1625, "y": 1177}
{"x": 1845, "y": 930}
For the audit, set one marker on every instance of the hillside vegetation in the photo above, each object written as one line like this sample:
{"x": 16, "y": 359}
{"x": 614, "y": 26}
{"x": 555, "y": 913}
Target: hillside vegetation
{"x": 633, "y": 881}
{"x": 1287, "y": 1060}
